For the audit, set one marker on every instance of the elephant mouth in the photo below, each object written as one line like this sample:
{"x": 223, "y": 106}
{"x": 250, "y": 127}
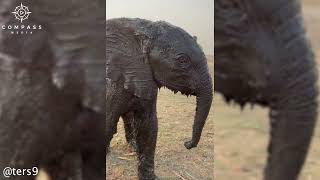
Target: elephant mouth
{"x": 175, "y": 88}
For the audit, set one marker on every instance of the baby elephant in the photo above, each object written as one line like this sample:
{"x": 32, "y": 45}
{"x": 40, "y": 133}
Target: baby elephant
{"x": 143, "y": 56}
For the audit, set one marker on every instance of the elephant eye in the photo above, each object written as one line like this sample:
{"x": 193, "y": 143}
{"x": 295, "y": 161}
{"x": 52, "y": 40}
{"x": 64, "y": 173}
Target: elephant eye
{"x": 183, "y": 60}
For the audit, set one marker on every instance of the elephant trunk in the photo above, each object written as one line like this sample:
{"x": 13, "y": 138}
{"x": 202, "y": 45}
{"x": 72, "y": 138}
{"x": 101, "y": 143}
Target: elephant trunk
{"x": 204, "y": 100}
{"x": 293, "y": 113}
{"x": 292, "y": 125}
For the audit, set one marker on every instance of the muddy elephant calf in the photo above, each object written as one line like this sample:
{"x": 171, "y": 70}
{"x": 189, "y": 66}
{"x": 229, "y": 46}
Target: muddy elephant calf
{"x": 143, "y": 56}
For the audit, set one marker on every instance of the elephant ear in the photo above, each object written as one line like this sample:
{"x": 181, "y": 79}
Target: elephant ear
{"x": 128, "y": 59}
{"x": 141, "y": 79}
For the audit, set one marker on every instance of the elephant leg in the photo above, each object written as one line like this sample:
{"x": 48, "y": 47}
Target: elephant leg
{"x": 130, "y": 131}
{"x": 116, "y": 102}
{"x": 147, "y": 125}
{"x": 112, "y": 119}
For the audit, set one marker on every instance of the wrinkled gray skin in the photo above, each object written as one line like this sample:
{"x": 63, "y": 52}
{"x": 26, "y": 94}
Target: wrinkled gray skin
{"x": 143, "y": 56}
{"x": 51, "y": 88}
{"x": 262, "y": 57}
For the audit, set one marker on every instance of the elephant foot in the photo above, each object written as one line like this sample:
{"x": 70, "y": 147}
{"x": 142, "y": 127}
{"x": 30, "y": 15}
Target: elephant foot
{"x": 190, "y": 144}
{"x": 150, "y": 176}
{"x": 146, "y": 172}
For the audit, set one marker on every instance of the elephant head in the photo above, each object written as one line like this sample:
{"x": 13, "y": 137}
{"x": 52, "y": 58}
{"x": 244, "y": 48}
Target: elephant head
{"x": 170, "y": 58}
{"x": 262, "y": 56}
{"x": 177, "y": 62}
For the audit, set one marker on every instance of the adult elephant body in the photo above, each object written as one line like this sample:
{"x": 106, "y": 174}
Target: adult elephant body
{"x": 52, "y": 84}
{"x": 143, "y": 56}
{"x": 262, "y": 56}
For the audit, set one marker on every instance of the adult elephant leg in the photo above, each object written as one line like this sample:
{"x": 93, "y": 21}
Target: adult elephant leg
{"x": 147, "y": 126}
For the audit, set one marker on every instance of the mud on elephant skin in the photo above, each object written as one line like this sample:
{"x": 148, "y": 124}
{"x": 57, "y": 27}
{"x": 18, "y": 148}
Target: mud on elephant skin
{"x": 143, "y": 56}
{"x": 262, "y": 57}
{"x": 50, "y": 84}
